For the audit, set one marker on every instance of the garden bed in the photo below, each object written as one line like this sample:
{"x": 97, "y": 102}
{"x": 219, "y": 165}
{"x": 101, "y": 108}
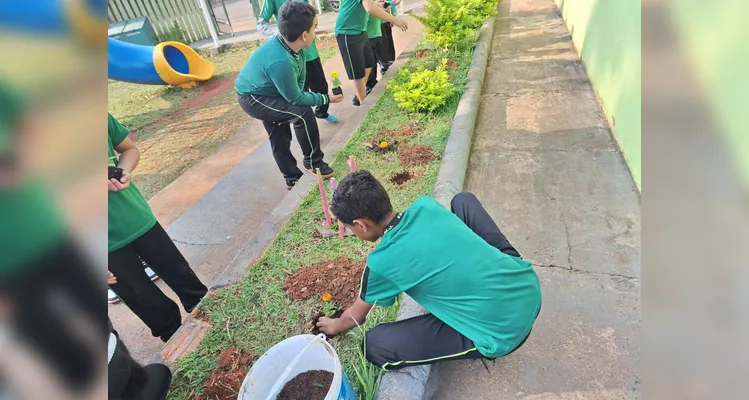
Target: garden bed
{"x": 269, "y": 305}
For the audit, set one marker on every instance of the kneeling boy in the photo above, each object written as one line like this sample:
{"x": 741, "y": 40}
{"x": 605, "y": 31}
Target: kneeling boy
{"x": 481, "y": 296}
{"x": 271, "y": 89}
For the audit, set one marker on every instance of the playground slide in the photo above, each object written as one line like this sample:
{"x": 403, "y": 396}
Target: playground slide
{"x": 168, "y": 63}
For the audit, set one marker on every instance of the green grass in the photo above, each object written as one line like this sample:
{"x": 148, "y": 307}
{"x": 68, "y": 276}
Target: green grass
{"x": 174, "y": 128}
{"x": 255, "y": 313}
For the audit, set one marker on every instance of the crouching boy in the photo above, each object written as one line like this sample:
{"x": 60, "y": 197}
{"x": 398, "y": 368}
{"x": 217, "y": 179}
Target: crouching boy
{"x": 481, "y": 296}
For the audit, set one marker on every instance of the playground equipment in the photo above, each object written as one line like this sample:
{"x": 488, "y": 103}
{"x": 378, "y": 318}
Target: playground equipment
{"x": 290, "y": 358}
{"x": 167, "y": 63}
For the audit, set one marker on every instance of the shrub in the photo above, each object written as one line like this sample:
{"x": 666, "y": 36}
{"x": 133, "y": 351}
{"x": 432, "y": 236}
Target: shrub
{"x": 422, "y": 90}
{"x": 449, "y": 22}
{"x": 173, "y": 34}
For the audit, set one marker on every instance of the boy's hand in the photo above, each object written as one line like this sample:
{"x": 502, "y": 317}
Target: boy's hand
{"x": 329, "y": 326}
{"x": 335, "y": 98}
{"x": 111, "y": 279}
{"x": 118, "y": 186}
{"x": 401, "y": 23}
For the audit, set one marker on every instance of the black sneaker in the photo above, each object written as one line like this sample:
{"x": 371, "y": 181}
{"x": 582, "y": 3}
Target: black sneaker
{"x": 355, "y": 101}
{"x": 290, "y": 183}
{"x": 325, "y": 170}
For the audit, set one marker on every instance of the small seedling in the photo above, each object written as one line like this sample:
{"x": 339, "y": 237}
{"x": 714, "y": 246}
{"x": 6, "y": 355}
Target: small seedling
{"x": 329, "y": 308}
{"x": 336, "y": 83}
{"x": 320, "y": 385}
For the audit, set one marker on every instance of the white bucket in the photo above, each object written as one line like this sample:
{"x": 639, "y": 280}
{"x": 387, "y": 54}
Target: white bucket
{"x": 292, "y": 357}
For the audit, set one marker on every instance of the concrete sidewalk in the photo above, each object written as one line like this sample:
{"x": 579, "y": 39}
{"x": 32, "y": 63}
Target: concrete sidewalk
{"x": 211, "y": 228}
{"x": 326, "y": 23}
{"x": 545, "y": 165}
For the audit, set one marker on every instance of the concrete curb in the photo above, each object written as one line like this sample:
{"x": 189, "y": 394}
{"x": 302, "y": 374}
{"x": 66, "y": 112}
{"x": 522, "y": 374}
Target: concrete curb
{"x": 410, "y": 383}
{"x": 188, "y": 336}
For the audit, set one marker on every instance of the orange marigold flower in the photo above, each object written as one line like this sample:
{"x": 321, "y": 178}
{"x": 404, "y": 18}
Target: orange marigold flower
{"x": 383, "y": 144}
{"x": 327, "y": 297}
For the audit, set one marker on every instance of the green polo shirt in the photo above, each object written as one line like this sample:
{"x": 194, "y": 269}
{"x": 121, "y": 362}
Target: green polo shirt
{"x": 374, "y": 27}
{"x": 270, "y": 10}
{"x": 490, "y": 297}
{"x": 275, "y": 70}
{"x": 30, "y": 223}
{"x": 130, "y": 215}
{"x": 352, "y": 18}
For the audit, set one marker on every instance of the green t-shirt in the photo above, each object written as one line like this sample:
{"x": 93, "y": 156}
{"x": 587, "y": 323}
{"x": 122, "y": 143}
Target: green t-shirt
{"x": 374, "y": 27}
{"x": 130, "y": 215}
{"x": 490, "y": 297}
{"x": 275, "y": 70}
{"x": 352, "y": 18}
{"x": 270, "y": 10}
{"x": 30, "y": 223}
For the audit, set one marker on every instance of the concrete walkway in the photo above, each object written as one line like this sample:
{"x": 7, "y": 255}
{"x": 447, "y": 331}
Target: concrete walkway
{"x": 545, "y": 165}
{"x": 217, "y": 206}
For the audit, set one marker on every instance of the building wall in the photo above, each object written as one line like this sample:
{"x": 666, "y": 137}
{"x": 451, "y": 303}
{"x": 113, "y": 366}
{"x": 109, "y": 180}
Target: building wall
{"x": 607, "y": 35}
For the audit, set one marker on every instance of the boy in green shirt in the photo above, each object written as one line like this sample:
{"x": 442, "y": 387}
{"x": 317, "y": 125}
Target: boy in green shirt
{"x": 481, "y": 296}
{"x": 136, "y": 236}
{"x": 351, "y": 35}
{"x": 315, "y": 80}
{"x": 270, "y": 88}
{"x": 374, "y": 33}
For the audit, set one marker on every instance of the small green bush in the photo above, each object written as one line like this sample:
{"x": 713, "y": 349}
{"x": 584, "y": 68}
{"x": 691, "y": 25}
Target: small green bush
{"x": 173, "y": 34}
{"x": 447, "y": 23}
{"x": 422, "y": 90}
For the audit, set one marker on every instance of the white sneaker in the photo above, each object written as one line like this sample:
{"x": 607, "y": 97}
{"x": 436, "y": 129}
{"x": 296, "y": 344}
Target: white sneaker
{"x": 112, "y": 297}
{"x": 151, "y": 275}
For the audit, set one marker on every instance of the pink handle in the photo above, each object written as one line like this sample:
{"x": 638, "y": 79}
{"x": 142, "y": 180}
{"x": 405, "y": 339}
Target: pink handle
{"x": 324, "y": 198}
{"x": 341, "y": 229}
{"x": 351, "y": 164}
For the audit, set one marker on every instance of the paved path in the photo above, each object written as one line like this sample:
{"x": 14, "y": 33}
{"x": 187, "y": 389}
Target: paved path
{"x": 215, "y": 207}
{"x": 546, "y": 167}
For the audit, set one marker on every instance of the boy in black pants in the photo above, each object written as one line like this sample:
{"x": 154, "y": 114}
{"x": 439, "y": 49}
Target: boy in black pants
{"x": 271, "y": 88}
{"x": 356, "y": 51}
{"x": 315, "y": 79}
{"x": 481, "y": 296}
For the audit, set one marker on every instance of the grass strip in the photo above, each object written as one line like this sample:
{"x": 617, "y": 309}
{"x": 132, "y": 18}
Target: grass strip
{"x": 255, "y": 313}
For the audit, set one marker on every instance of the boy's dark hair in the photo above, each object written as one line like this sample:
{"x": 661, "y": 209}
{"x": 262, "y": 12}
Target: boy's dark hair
{"x": 295, "y": 18}
{"x": 360, "y": 195}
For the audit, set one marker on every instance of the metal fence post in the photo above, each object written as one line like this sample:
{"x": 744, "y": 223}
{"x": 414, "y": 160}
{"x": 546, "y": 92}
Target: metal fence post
{"x": 208, "y": 20}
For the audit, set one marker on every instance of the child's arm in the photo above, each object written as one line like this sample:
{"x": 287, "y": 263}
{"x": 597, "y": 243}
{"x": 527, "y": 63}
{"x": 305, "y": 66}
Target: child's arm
{"x": 284, "y": 77}
{"x": 379, "y": 13}
{"x": 356, "y": 314}
{"x": 129, "y": 157}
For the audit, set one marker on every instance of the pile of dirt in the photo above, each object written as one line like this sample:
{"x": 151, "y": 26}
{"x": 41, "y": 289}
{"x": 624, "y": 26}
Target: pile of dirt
{"x": 405, "y": 131}
{"x": 415, "y": 155}
{"x": 422, "y": 53}
{"x": 340, "y": 278}
{"x": 311, "y": 385}
{"x": 401, "y": 177}
{"x": 452, "y": 64}
{"x": 226, "y": 379}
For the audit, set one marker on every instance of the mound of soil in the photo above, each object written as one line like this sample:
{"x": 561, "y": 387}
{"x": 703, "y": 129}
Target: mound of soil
{"x": 415, "y": 155}
{"x": 226, "y": 379}
{"x": 422, "y": 53}
{"x": 409, "y": 129}
{"x": 401, "y": 177}
{"x": 311, "y": 385}
{"x": 339, "y": 277}
{"x": 319, "y": 315}
{"x": 452, "y": 64}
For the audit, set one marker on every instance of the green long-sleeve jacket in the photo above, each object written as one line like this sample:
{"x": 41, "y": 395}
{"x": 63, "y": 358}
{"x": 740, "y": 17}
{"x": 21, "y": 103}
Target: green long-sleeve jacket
{"x": 270, "y": 10}
{"x": 275, "y": 70}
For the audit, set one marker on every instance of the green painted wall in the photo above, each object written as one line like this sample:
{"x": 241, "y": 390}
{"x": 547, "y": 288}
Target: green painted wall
{"x": 607, "y": 35}
{"x": 716, "y": 43}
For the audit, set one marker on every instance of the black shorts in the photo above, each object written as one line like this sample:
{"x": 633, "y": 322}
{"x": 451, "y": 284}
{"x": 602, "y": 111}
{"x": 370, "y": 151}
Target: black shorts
{"x": 356, "y": 53}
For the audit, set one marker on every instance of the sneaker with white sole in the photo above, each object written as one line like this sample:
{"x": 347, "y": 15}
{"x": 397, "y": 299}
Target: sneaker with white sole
{"x": 112, "y": 297}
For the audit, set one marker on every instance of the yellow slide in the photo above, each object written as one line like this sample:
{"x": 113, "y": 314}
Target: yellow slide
{"x": 180, "y": 65}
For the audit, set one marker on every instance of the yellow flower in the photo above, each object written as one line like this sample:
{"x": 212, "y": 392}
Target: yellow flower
{"x": 327, "y": 297}
{"x": 334, "y": 74}
{"x": 383, "y": 144}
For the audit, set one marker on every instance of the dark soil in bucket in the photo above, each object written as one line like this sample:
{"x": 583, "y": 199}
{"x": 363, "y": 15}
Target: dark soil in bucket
{"x": 226, "y": 379}
{"x": 340, "y": 278}
{"x": 310, "y": 385}
{"x": 415, "y": 155}
{"x": 401, "y": 177}
{"x": 319, "y": 315}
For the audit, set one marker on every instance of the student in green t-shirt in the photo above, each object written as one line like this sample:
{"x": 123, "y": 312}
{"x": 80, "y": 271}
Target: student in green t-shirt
{"x": 351, "y": 35}
{"x": 136, "y": 237}
{"x": 481, "y": 296}
{"x": 270, "y": 88}
{"x": 315, "y": 78}
{"x": 374, "y": 33}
